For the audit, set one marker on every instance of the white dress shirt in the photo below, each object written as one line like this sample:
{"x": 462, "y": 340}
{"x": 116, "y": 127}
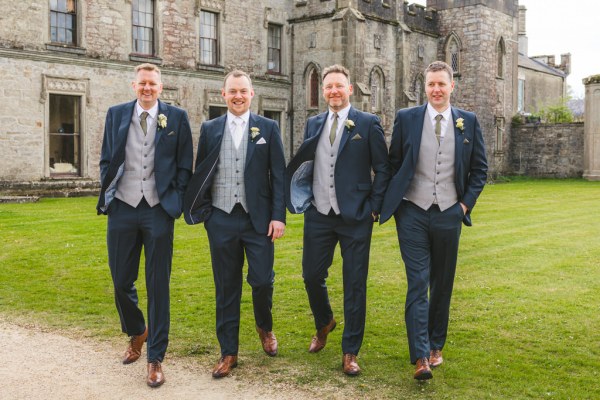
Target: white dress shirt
{"x": 238, "y": 126}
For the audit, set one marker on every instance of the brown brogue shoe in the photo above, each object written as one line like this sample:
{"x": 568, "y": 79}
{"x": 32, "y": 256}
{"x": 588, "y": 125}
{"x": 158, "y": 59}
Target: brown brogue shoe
{"x": 423, "y": 370}
{"x": 349, "y": 364}
{"x": 320, "y": 339}
{"x": 268, "y": 340}
{"x": 224, "y": 366}
{"x": 155, "y": 374}
{"x": 134, "y": 350}
{"x": 435, "y": 358}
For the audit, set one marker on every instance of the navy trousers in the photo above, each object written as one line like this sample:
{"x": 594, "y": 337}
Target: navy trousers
{"x": 130, "y": 229}
{"x": 429, "y": 247}
{"x": 321, "y": 234}
{"x": 230, "y": 236}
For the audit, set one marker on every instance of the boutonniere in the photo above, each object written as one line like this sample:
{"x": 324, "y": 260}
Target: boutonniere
{"x": 254, "y": 132}
{"x": 349, "y": 124}
{"x": 460, "y": 124}
{"x": 162, "y": 120}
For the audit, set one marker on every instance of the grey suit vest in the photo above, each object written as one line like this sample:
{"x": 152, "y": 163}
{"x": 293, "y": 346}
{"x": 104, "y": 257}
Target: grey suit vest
{"x": 323, "y": 174}
{"x": 138, "y": 176}
{"x": 228, "y": 187}
{"x": 433, "y": 182}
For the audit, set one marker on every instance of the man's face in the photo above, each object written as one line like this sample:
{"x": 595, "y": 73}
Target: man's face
{"x": 238, "y": 94}
{"x": 438, "y": 87}
{"x": 336, "y": 91}
{"x": 147, "y": 87}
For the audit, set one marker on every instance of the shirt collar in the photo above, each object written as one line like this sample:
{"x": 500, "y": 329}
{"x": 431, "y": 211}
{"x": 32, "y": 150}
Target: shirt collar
{"x": 432, "y": 112}
{"x": 151, "y": 112}
{"x": 245, "y": 117}
{"x": 342, "y": 114}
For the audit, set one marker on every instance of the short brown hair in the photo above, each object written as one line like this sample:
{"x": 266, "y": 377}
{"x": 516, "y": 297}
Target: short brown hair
{"x": 147, "y": 67}
{"x": 236, "y": 73}
{"x": 440, "y": 66}
{"x": 338, "y": 69}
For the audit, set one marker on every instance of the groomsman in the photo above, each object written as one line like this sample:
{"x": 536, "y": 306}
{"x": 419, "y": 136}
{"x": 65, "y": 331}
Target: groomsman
{"x": 330, "y": 180}
{"x": 438, "y": 160}
{"x": 237, "y": 191}
{"x": 145, "y": 166}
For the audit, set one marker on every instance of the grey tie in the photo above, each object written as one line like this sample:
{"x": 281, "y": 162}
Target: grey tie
{"x": 333, "y": 129}
{"x": 438, "y": 127}
{"x": 143, "y": 123}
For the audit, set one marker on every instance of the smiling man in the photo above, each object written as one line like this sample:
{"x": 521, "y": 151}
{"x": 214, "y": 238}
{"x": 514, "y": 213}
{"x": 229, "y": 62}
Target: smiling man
{"x": 329, "y": 180}
{"x": 237, "y": 191}
{"x": 145, "y": 166}
{"x": 438, "y": 160}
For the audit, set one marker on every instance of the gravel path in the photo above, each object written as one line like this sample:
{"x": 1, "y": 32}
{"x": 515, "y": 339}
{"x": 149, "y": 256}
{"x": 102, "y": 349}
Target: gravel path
{"x": 37, "y": 364}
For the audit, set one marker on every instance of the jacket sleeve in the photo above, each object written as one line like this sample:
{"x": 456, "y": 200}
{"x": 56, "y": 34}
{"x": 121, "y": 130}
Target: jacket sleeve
{"x": 277, "y": 175}
{"x": 379, "y": 164}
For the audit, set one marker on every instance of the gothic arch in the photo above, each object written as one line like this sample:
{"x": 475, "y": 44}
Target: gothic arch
{"x": 500, "y": 57}
{"x": 377, "y": 87}
{"x": 312, "y": 82}
{"x": 452, "y": 50}
{"x": 419, "y": 89}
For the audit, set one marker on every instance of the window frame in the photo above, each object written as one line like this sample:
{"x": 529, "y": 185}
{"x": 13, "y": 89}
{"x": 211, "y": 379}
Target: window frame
{"x": 136, "y": 28}
{"x": 272, "y": 50}
{"x": 74, "y": 22}
{"x": 214, "y": 52}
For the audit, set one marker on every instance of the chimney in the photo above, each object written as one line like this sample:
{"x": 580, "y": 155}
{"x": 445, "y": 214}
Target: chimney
{"x": 565, "y": 63}
{"x": 523, "y": 41}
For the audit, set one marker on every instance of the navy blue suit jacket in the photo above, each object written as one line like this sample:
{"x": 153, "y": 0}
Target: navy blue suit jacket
{"x": 470, "y": 160}
{"x": 263, "y": 173}
{"x": 362, "y": 151}
{"x": 173, "y": 156}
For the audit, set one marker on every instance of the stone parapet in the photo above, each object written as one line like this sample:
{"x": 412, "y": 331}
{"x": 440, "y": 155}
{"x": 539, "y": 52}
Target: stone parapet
{"x": 591, "y": 158}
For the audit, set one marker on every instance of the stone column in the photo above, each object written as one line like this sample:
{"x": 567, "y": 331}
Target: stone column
{"x": 591, "y": 141}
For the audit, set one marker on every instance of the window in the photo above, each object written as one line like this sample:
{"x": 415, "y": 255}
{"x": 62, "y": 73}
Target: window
{"x": 453, "y": 53}
{"x": 376, "y": 90}
{"x": 499, "y": 134}
{"x": 143, "y": 27}
{"x": 63, "y": 22}
{"x": 419, "y": 90}
{"x": 209, "y": 44}
{"x": 274, "y": 115}
{"x": 501, "y": 52}
{"x": 64, "y": 132}
{"x": 216, "y": 111}
{"x": 313, "y": 88}
{"x": 274, "y": 49}
{"x": 521, "y": 96}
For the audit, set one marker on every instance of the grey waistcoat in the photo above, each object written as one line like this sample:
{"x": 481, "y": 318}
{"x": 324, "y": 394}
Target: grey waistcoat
{"x": 323, "y": 173}
{"x": 433, "y": 182}
{"x": 138, "y": 177}
{"x": 228, "y": 187}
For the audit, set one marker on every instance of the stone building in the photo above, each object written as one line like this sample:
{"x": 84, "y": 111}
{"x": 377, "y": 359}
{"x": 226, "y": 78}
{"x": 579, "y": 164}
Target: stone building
{"x": 64, "y": 62}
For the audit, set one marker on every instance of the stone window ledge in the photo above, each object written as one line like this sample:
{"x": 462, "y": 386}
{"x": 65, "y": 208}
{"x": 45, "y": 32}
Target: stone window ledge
{"x": 65, "y": 48}
{"x": 214, "y": 68}
{"x": 145, "y": 58}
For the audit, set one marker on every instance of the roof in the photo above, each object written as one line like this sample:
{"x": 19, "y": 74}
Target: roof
{"x": 535, "y": 65}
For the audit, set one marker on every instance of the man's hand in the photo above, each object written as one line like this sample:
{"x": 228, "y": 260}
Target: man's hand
{"x": 276, "y": 230}
{"x": 464, "y": 208}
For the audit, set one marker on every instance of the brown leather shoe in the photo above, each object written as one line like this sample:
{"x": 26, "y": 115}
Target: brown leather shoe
{"x": 134, "y": 350}
{"x": 435, "y": 358}
{"x": 423, "y": 371}
{"x": 350, "y": 365}
{"x": 320, "y": 339}
{"x": 224, "y": 366}
{"x": 155, "y": 374}
{"x": 268, "y": 340}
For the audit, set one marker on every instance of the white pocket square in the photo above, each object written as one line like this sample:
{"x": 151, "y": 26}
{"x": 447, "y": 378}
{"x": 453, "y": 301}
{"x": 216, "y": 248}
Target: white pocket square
{"x": 261, "y": 141}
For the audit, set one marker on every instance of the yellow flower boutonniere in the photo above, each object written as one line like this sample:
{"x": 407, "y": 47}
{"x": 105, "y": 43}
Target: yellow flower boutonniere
{"x": 349, "y": 124}
{"x": 254, "y": 132}
{"x": 460, "y": 124}
{"x": 162, "y": 120}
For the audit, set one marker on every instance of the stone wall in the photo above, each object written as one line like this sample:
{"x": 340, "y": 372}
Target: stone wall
{"x": 547, "y": 150}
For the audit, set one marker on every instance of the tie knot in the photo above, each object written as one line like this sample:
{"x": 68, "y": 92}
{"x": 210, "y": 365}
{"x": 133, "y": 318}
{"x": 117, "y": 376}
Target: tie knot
{"x": 335, "y": 116}
{"x": 439, "y": 117}
{"x": 144, "y": 115}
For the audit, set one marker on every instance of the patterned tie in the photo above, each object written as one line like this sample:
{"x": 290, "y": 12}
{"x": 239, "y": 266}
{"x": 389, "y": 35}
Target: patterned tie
{"x": 438, "y": 127}
{"x": 143, "y": 123}
{"x": 333, "y": 129}
{"x": 238, "y": 132}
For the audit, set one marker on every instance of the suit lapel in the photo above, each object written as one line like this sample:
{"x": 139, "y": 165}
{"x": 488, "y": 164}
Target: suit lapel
{"x": 320, "y": 121}
{"x": 345, "y": 132}
{"x": 252, "y": 122}
{"x": 417, "y": 132}
{"x": 458, "y": 144}
{"x": 123, "y": 131}
{"x": 160, "y": 132}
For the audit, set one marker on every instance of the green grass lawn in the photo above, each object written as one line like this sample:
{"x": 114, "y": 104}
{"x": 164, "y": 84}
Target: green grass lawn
{"x": 525, "y": 317}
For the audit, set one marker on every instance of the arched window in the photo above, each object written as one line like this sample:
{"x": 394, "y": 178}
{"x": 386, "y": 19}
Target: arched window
{"x": 312, "y": 86}
{"x": 419, "y": 90}
{"x": 377, "y": 85}
{"x": 501, "y": 54}
{"x": 453, "y": 53}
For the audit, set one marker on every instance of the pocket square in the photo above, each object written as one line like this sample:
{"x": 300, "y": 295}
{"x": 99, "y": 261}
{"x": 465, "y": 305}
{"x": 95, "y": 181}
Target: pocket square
{"x": 171, "y": 133}
{"x": 356, "y": 137}
{"x": 466, "y": 141}
{"x": 261, "y": 141}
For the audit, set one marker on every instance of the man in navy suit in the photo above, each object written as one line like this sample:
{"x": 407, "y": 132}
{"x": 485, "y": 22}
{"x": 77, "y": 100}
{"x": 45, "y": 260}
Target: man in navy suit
{"x": 330, "y": 181}
{"x": 439, "y": 164}
{"x": 237, "y": 191}
{"x": 145, "y": 166}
